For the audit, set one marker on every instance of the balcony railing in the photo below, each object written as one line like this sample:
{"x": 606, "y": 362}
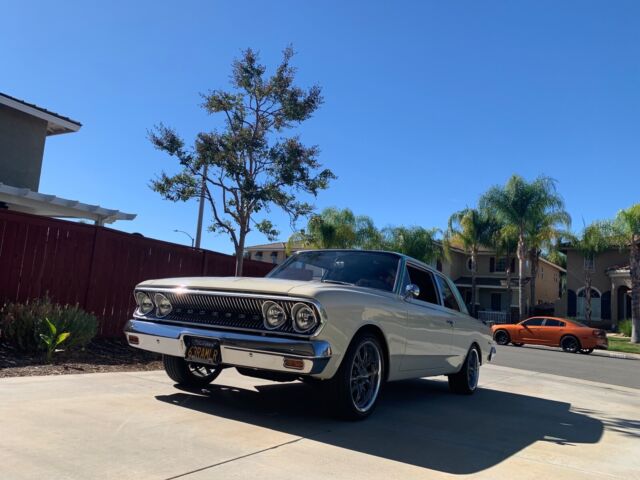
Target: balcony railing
{"x": 494, "y": 317}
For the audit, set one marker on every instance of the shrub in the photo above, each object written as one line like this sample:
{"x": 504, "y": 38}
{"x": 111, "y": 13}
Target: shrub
{"x": 22, "y": 323}
{"x": 624, "y": 327}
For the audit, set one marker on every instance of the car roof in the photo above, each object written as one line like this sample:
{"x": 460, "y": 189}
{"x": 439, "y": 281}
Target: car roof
{"x": 401, "y": 255}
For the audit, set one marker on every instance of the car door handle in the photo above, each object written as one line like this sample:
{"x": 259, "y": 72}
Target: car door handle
{"x": 450, "y": 322}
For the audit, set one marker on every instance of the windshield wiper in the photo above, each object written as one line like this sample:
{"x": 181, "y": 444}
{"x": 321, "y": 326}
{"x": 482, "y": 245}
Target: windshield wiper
{"x": 337, "y": 282}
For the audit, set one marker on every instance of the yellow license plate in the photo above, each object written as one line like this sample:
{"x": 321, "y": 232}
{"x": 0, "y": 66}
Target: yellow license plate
{"x": 203, "y": 351}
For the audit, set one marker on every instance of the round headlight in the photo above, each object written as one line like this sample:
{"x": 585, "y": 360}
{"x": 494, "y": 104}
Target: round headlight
{"x": 274, "y": 315}
{"x": 163, "y": 305}
{"x": 145, "y": 305}
{"x": 304, "y": 318}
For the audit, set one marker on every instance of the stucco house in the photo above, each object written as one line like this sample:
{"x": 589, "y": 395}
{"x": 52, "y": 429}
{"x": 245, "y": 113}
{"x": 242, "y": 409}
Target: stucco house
{"x": 24, "y": 129}
{"x": 491, "y": 283}
{"x": 275, "y": 252}
{"x": 610, "y": 287}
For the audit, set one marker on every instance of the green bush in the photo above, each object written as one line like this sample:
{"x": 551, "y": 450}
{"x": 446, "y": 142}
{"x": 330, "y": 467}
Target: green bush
{"x": 624, "y": 327}
{"x": 23, "y": 323}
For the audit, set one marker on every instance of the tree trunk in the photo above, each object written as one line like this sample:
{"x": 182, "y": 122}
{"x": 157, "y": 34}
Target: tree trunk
{"x": 634, "y": 270}
{"x": 473, "y": 284}
{"x": 521, "y": 257}
{"x": 533, "y": 258}
{"x": 587, "y": 296}
{"x": 509, "y": 292}
{"x": 240, "y": 254}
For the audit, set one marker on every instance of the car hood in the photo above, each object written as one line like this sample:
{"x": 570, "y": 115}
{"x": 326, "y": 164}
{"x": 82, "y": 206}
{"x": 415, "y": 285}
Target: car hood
{"x": 275, "y": 286}
{"x": 235, "y": 284}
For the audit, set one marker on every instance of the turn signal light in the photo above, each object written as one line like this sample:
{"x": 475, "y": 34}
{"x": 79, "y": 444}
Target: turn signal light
{"x": 133, "y": 340}
{"x": 294, "y": 363}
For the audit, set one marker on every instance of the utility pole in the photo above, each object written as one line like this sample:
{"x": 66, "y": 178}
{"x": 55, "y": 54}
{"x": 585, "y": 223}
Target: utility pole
{"x": 201, "y": 207}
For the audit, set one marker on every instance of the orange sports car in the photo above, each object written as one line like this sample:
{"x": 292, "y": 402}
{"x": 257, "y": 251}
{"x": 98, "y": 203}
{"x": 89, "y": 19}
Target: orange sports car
{"x": 571, "y": 335}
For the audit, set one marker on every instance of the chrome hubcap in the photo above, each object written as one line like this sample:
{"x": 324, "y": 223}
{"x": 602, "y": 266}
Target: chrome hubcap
{"x": 365, "y": 376}
{"x": 473, "y": 369}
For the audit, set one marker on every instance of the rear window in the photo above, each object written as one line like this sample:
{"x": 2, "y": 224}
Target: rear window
{"x": 553, "y": 323}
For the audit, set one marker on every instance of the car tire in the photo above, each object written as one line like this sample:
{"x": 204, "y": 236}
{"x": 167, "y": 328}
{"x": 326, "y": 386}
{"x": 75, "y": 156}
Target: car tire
{"x": 365, "y": 354}
{"x": 465, "y": 382}
{"x": 586, "y": 351}
{"x": 517, "y": 344}
{"x": 570, "y": 344}
{"x": 502, "y": 337}
{"x": 189, "y": 374}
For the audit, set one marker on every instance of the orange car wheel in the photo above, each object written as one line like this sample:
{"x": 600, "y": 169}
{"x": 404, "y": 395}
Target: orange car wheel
{"x": 502, "y": 337}
{"x": 570, "y": 344}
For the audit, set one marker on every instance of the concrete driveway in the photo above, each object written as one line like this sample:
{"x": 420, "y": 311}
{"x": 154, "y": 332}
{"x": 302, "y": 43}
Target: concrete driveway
{"x": 522, "y": 425}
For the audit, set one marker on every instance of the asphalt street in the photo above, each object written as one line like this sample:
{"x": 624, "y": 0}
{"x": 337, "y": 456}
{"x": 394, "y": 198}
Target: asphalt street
{"x": 614, "y": 371}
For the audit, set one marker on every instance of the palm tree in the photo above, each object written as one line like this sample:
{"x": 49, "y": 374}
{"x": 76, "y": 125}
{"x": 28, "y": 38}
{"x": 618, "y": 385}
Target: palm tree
{"x": 518, "y": 204}
{"x": 505, "y": 243}
{"x": 595, "y": 239}
{"x": 336, "y": 228}
{"x": 544, "y": 230}
{"x": 471, "y": 229}
{"x": 626, "y": 234}
{"x": 416, "y": 242}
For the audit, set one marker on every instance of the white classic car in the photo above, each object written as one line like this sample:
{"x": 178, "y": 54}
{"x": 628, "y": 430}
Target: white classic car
{"x": 347, "y": 320}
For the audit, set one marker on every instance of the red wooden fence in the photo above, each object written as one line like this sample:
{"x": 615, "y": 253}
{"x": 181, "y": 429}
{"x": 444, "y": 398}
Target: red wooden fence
{"x": 95, "y": 267}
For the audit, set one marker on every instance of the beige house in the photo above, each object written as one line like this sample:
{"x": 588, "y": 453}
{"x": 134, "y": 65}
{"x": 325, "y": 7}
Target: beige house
{"x": 275, "y": 253}
{"x": 491, "y": 283}
{"x": 610, "y": 287}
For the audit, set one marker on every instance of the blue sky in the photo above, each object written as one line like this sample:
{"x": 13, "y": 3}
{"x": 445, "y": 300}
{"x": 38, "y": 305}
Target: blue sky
{"x": 427, "y": 104}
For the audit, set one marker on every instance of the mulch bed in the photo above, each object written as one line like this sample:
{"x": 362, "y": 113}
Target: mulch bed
{"x": 101, "y": 355}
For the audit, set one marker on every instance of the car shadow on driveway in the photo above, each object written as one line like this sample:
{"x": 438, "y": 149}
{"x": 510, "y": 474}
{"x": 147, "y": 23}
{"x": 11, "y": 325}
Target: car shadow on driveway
{"x": 417, "y": 422}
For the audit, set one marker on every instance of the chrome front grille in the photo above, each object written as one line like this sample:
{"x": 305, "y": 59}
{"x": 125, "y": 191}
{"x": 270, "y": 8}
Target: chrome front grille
{"x": 226, "y": 311}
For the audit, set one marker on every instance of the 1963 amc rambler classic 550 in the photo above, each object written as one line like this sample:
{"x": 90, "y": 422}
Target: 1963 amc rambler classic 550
{"x": 347, "y": 320}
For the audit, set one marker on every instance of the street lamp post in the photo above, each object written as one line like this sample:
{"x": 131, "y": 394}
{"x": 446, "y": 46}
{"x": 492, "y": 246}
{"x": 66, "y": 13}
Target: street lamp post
{"x": 182, "y": 231}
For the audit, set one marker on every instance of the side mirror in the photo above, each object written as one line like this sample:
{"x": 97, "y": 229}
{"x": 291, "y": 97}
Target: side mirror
{"x": 411, "y": 290}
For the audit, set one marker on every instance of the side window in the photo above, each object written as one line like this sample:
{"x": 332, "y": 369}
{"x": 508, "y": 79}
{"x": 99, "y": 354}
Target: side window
{"x": 424, "y": 281}
{"x": 533, "y": 322}
{"x": 448, "y": 297}
{"x": 549, "y": 322}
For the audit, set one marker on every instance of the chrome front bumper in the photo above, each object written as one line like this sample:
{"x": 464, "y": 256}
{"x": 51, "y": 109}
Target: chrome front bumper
{"x": 236, "y": 349}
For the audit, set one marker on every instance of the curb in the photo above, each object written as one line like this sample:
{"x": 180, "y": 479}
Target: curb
{"x": 595, "y": 353}
{"x": 621, "y": 355}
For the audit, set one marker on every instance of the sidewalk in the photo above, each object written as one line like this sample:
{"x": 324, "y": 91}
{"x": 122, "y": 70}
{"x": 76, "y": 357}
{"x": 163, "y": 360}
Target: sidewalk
{"x": 595, "y": 353}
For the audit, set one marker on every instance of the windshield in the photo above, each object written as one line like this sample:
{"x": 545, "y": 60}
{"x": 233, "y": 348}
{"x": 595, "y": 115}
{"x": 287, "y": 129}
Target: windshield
{"x": 352, "y": 267}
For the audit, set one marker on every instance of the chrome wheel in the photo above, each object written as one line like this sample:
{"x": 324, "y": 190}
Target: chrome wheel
{"x": 366, "y": 375}
{"x": 473, "y": 369}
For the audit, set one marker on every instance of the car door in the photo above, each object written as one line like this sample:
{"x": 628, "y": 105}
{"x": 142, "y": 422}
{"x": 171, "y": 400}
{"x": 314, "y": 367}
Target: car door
{"x": 429, "y": 327}
{"x": 531, "y": 331}
{"x": 463, "y": 325}
{"x": 554, "y": 329}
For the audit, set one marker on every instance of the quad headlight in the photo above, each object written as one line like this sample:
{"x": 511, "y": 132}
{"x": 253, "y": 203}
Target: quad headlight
{"x": 304, "y": 318}
{"x": 163, "y": 305}
{"x": 273, "y": 314}
{"x": 145, "y": 305}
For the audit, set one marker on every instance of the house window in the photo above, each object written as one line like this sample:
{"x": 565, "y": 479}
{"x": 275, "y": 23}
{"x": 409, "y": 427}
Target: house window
{"x": 274, "y": 257}
{"x": 595, "y": 304}
{"x": 501, "y": 264}
{"x": 439, "y": 265}
{"x": 590, "y": 264}
{"x": 258, "y": 256}
{"x": 470, "y": 264}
